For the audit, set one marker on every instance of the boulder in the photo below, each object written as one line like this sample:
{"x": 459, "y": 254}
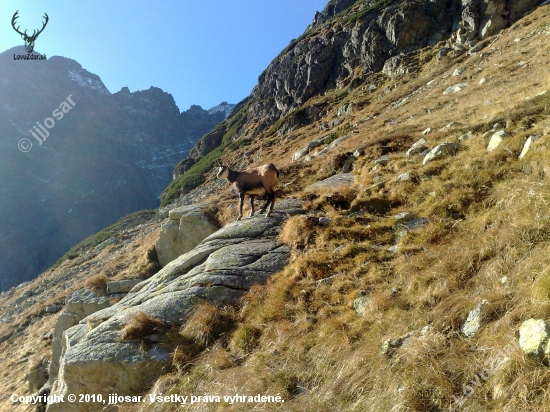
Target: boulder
{"x": 496, "y": 140}
{"x": 533, "y": 338}
{"x": 338, "y": 181}
{"x": 219, "y": 270}
{"x": 122, "y": 286}
{"x": 418, "y": 147}
{"x": 473, "y": 322}
{"x": 84, "y": 302}
{"x": 527, "y": 145}
{"x": 490, "y": 25}
{"x": 442, "y": 150}
{"x": 186, "y": 227}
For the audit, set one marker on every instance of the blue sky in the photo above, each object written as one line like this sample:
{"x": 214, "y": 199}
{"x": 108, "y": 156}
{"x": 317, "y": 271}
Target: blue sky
{"x": 202, "y": 52}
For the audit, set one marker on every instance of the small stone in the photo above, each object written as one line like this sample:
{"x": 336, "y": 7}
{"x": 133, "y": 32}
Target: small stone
{"x": 483, "y": 80}
{"x": 339, "y": 249}
{"x": 360, "y": 151}
{"x": 53, "y": 308}
{"x": 382, "y": 161}
{"x": 450, "y": 125}
{"x": 455, "y": 88}
{"x": 427, "y": 131}
{"x": 360, "y": 305}
{"x": 465, "y": 136}
{"x": 324, "y": 221}
{"x": 444, "y": 149}
{"x": 389, "y": 346}
{"x": 404, "y": 216}
{"x": 473, "y": 322}
{"x": 404, "y": 177}
{"x": 533, "y": 338}
{"x": 459, "y": 71}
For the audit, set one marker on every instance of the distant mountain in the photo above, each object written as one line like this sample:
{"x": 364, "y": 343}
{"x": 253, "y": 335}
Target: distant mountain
{"x": 95, "y": 156}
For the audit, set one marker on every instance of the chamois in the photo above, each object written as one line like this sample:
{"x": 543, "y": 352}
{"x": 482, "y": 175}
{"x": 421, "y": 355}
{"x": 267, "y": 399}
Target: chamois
{"x": 253, "y": 182}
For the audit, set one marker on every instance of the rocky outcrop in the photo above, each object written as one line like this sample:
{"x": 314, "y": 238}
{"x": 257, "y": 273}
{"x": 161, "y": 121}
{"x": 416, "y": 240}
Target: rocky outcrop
{"x": 350, "y": 39}
{"x": 184, "y": 229}
{"x": 78, "y": 305}
{"x": 219, "y": 270}
{"x": 208, "y": 143}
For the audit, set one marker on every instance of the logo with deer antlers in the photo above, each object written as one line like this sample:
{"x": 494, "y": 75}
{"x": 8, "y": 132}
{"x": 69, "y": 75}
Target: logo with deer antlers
{"x": 29, "y": 40}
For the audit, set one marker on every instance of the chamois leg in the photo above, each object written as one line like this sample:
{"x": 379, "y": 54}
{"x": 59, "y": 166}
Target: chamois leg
{"x": 271, "y": 201}
{"x": 264, "y": 206}
{"x": 251, "y": 198}
{"x": 241, "y": 201}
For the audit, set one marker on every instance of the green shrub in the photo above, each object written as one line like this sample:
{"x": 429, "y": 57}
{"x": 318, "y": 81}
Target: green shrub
{"x": 331, "y": 138}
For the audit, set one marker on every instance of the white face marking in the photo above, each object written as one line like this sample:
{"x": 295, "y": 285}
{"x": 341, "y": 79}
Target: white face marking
{"x": 222, "y": 172}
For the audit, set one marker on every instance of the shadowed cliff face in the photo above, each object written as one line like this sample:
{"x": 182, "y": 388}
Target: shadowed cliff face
{"x": 107, "y": 156}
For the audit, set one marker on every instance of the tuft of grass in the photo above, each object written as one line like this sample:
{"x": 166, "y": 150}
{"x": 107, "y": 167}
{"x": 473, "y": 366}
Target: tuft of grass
{"x": 207, "y": 324}
{"x": 97, "y": 283}
{"x": 140, "y": 325}
{"x": 299, "y": 231}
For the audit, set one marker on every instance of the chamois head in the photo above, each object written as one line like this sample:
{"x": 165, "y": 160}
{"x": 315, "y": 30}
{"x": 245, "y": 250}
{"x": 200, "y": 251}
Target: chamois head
{"x": 223, "y": 172}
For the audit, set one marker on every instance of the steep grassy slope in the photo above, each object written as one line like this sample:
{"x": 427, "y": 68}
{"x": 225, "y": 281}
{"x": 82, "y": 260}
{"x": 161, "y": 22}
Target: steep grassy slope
{"x": 487, "y": 239}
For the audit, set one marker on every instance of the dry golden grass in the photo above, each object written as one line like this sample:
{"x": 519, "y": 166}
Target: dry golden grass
{"x": 139, "y": 325}
{"x": 207, "y": 324}
{"x": 97, "y": 283}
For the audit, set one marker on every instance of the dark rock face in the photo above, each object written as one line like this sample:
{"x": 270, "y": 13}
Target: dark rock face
{"x": 350, "y": 39}
{"x": 108, "y": 156}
